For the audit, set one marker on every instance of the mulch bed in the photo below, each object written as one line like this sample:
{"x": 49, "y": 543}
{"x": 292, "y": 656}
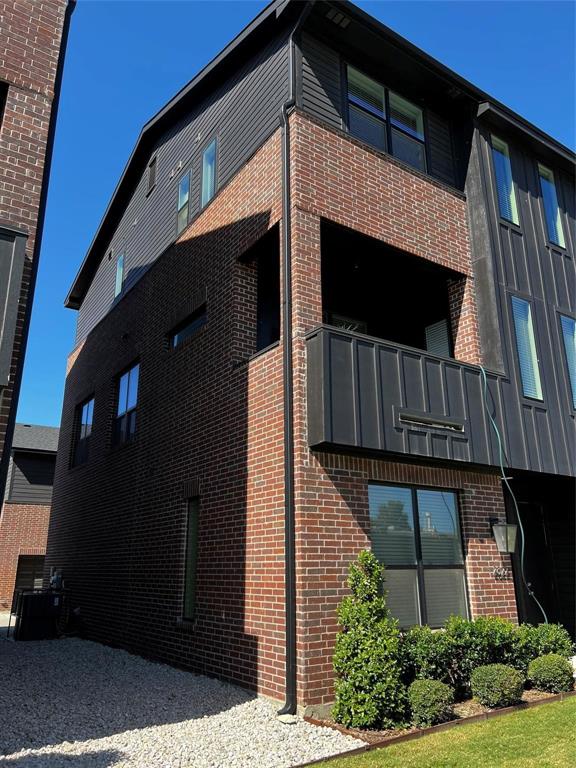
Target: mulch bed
{"x": 462, "y": 710}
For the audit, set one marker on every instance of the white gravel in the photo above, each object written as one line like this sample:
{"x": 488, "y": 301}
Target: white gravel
{"x": 83, "y": 705}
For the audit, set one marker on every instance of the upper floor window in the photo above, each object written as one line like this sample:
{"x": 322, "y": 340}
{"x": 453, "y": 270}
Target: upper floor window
{"x": 415, "y": 533}
{"x": 125, "y": 421}
{"x": 569, "y": 336}
{"x": 366, "y": 109}
{"x": 152, "y": 174}
{"x": 407, "y": 126}
{"x": 119, "y": 281}
{"x": 403, "y": 134}
{"x": 551, "y": 209}
{"x": 504, "y": 181}
{"x": 208, "y": 173}
{"x": 83, "y": 431}
{"x": 183, "y": 201}
{"x": 526, "y": 347}
{"x": 188, "y": 327}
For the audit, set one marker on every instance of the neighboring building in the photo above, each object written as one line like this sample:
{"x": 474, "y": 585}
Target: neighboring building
{"x": 32, "y": 45}
{"x": 26, "y": 509}
{"x": 280, "y": 328}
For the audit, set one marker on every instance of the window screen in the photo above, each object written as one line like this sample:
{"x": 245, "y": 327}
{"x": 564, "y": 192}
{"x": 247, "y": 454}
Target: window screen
{"x": 526, "y": 347}
{"x": 569, "y": 335}
{"x": 551, "y": 208}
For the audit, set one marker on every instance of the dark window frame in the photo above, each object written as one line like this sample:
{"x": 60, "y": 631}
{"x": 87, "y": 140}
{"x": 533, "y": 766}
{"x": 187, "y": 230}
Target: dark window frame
{"x": 540, "y": 369}
{"x": 419, "y": 566}
{"x": 509, "y": 222}
{"x": 186, "y": 205}
{"x": 193, "y": 323}
{"x": 124, "y": 422}
{"x": 387, "y": 121}
{"x": 119, "y": 267}
{"x": 81, "y": 445}
{"x": 571, "y": 387}
{"x": 558, "y": 192}
{"x": 152, "y": 174}
{"x": 189, "y": 591}
{"x": 216, "y": 141}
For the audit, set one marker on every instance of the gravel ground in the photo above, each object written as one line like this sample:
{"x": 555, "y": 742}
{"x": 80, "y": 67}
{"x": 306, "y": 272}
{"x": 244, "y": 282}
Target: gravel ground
{"x": 73, "y": 703}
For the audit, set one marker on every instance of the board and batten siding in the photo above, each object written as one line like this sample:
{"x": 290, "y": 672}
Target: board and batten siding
{"x": 242, "y": 113}
{"x": 323, "y": 97}
{"x": 32, "y": 478}
{"x": 538, "y": 435}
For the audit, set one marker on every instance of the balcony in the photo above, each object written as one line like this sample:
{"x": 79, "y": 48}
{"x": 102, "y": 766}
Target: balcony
{"x": 373, "y": 395}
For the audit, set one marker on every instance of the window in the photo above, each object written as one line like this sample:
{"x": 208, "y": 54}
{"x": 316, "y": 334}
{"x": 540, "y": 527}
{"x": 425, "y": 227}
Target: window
{"x": 551, "y": 209}
{"x": 125, "y": 421}
{"x": 151, "y": 174}
{"x": 183, "y": 201}
{"x": 119, "y": 283}
{"x": 407, "y": 128}
{"x": 366, "y": 110}
{"x": 208, "y": 173}
{"x": 415, "y": 533}
{"x": 188, "y": 327}
{"x": 569, "y": 336}
{"x": 268, "y": 296}
{"x": 84, "y": 430}
{"x": 526, "y": 346}
{"x": 191, "y": 558}
{"x": 504, "y": 181}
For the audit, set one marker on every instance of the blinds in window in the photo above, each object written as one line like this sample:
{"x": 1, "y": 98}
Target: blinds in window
{"x": 438, "y": 338}
{"x": 504, "y": 182}
{"x": 551, "y": 208}
{"x": 365, "y": 92}
{"x": 439, "y": 529}
{"x": 526, "y": 346}
{"x": 392, "y": 525}
{"x": 569, "y": 335}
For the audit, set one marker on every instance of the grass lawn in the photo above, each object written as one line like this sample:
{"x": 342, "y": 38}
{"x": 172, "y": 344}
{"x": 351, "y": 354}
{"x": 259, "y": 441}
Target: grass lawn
{"x": 542, "y": 737}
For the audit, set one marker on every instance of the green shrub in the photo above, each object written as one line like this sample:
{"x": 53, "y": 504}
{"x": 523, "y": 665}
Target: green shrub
{"x": 426, "y": 655}
{"x": 431, "y": 702}
{"x": 551, "y": 673}
{"x": 497, "y": 685}
{"x": 369, "y": 689}
{"x": 534, "y": 641}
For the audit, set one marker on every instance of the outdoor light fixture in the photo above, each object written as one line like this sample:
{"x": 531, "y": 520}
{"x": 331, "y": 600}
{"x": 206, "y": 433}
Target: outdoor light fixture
{"x": 505, "y": 535}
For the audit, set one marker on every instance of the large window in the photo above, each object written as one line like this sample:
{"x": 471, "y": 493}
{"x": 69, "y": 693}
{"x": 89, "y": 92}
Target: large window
{"x": 125, "y": 421}
{"x": 551, "y": 208}
{"x": 404, "y": 136}
{"x": 208, "y": 173}
{"x": 191, "y": 558}
{"x": 504, "y": 181}
{"x": 569, "y": 336}
{"x": 526, "y": 347}
{"x": 415, "y": 533}
{"x": 84, "y": 430}
{"x": 183, "y": 201}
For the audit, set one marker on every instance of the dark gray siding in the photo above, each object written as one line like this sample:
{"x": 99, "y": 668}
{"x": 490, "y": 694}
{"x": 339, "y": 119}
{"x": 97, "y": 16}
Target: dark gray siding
{"x": 12, "y": 253}
{"x": 321, "y": 95}
{"x": 32, "y": 478}
{"x": 242, "y": 113}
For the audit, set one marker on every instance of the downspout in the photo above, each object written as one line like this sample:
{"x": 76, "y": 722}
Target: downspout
{"x": 37, "y": 245}
{"x": 288, "y": 710}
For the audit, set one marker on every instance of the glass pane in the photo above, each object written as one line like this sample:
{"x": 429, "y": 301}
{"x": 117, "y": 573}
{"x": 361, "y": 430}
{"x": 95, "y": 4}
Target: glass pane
{"x": 183, "y": 191}
{"x": 439, "y": 528}
{"x": 208, "y": 173}
{"x": 504, "y": 183}
{"x": 191, "y": 556}
{"x": 119, "y": 275}
{"x": 445, "y": 595}
{"x": 526, "y": 345}
{"x": 551, "y": 209}
{"x": 183, "y": 218}
{"x": 190, "y": 329}
{"x": 569, "y": 335}
{"x": 122, "y": 394}
{"x": 392, "y": 525}
{"x": 365, "y": 92}
{"x": 407, "y": 116}
{"x": 402, "y": 597}
{"x": 368, "y": 128}
{"x": 408, "y": 150}
{"x": 133, "y": 387}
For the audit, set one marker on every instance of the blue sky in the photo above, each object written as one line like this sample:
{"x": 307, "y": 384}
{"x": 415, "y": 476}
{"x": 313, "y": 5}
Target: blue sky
{"x": 126, "y": 59}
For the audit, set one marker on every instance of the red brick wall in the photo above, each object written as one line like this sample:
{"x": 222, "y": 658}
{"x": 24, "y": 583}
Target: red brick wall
{"x": 30, "y": 35}
{"x": 23, "y": 531}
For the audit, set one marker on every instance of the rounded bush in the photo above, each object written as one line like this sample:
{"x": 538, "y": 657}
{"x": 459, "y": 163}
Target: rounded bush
{"x": 533, "y": 641}
{"x": 497, "y": 685}
{"x": 431, "y": 702}
{"x": 551, "y": 673}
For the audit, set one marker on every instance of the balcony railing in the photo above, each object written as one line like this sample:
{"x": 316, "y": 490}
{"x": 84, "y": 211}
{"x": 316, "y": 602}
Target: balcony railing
{"x": 366, "y": 393}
